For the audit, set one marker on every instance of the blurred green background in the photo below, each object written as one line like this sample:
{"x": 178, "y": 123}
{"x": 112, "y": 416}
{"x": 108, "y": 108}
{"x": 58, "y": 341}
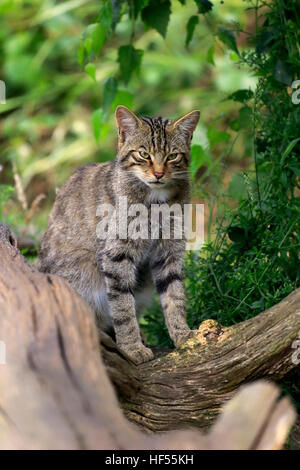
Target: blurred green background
{"x": 55, "y": 117}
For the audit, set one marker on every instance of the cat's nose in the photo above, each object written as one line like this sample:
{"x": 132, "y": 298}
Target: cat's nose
{"x": 158, "y": 174}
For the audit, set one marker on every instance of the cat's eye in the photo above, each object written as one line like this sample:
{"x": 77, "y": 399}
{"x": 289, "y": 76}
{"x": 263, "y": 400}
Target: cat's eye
{"x": 172, "y": 156}
{"x": 144, "y": 155}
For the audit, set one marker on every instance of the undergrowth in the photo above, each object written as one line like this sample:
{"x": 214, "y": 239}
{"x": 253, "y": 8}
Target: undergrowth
{"x": 253, "y": 261}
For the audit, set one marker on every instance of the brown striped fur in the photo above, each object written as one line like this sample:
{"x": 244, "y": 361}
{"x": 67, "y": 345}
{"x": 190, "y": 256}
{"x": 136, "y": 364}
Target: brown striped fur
{"x": 116, "y": 277}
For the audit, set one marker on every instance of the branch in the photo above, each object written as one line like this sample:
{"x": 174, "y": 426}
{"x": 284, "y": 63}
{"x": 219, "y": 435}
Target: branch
{"x": 56, "y": 394}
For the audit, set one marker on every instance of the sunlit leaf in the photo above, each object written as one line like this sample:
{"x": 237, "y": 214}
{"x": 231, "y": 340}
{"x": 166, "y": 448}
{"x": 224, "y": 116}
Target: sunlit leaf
{"x": 97, "y": 122}
{"x": 122, "y": 97}
{"x": 80, "y": 54}
{"x": 234, "y": 57}
{"x": 98, "y": 37}
{"x": 88, "y": 44}
{"x": 199, "y": 157}
{"x": 210, "y": 55}
{"x": 91, "y": 70}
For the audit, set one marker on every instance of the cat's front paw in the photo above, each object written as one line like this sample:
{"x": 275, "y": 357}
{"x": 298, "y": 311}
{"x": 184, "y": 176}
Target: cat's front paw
{"x": 183, "y": 336}
{"x": 138, "y": 354}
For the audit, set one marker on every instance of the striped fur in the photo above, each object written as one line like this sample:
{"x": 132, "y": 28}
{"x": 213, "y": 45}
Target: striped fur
{"x": 116, "y": 277}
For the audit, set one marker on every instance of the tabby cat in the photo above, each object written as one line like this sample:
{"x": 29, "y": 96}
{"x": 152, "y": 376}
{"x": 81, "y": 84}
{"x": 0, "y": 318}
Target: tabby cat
{"x": 116, "y": 276}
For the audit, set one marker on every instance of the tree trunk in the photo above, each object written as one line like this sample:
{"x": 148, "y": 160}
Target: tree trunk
{"x": 55, "y": 391}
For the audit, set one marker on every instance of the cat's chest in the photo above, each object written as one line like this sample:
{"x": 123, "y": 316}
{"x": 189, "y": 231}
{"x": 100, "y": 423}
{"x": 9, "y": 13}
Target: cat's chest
{"x": 158, "y": 196}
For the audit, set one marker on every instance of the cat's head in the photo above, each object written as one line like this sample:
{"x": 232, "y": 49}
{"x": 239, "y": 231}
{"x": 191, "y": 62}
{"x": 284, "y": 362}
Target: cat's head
{"x": 155, "y": 150}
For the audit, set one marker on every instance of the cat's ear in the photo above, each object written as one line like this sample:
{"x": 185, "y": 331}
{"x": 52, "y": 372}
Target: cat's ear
{"x": 127, "y": 121}
{"x": 186, "y": 124}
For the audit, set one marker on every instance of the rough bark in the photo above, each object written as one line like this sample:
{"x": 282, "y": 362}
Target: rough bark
{"x": 55, "y": 391}
{"x": 188, "y": 386}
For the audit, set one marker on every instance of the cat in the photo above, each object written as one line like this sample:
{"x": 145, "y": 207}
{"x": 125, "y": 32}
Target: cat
{"x": 116, "y": 276}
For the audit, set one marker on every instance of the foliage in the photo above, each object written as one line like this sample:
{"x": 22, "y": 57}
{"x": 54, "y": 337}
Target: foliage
{"x": 253, "y": 261}
{"x": 60, "y": 104}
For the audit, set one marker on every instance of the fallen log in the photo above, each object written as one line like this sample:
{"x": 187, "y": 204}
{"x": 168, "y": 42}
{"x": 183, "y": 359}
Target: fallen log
{"x": 188, "y": 386}
{"x": 55, "y": 390}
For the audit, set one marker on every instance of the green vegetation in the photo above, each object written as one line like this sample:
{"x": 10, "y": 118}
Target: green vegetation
{"x": 54, "y": 109}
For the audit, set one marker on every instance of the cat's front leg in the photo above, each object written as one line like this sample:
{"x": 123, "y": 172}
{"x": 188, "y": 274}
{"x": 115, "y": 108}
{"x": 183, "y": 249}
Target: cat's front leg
{"x": 118, "y": 267}
{"x": 168, "y": 273}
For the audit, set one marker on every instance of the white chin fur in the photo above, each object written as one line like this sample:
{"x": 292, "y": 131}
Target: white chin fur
{"x": 159, "y": 193}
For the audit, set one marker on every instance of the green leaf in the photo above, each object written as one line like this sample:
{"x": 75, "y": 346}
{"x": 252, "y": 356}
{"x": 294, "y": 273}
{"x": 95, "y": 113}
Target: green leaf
{"x": 98, "y": 37}
{"x": 123, "y": 97}
{"x": 156, "y": 15}
{"x": 91, "y": 70}
{"x": 129, "y": 60}
{"x": 288, "y": 150}
{"x": 295, "y": 170}
{"x": 109, "y": 91}
{"x": 214, "y": 136}
{"x": 237, "y": 188}
{"x": 106, "y": 15}
{"x": 88, "y": 43}
{"x": 210, "y": 55}
{"x": 97, "y": 122}
{"x": 242, "y": 96}
{"x": 282, "y": 73}
{"x": 204, "y": 6}
{"x": 139, "y": 5}
{"x": 190, "y": 27}
{"x": 227, "y": 37}
{"x": 100, "y": 126}
{"x": 80, "y": 54}
{"x": 234, "y": 57}
{"x": 198, "y": 157}
{"x": 244, "y": 120}
{"x": 265, "y": 39}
